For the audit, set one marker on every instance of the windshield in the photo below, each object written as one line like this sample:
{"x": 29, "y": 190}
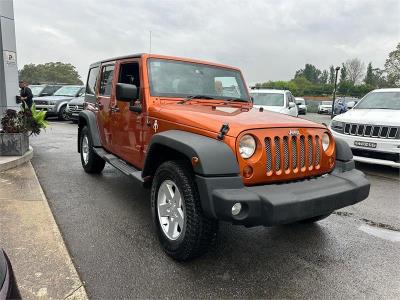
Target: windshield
{"x": 178, "y": 79}
{"x": 300, "y": 101}
{"x": 68, "y": 91}
{"x": 36, "y": 89}
{"x": 266, "y": 99}
{"x": 380, "y": 100}
{"x": 326, "y": 103}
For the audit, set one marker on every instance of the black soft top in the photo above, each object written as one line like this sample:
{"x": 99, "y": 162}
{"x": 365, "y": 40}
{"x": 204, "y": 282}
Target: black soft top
{"x": 137, "y": 55}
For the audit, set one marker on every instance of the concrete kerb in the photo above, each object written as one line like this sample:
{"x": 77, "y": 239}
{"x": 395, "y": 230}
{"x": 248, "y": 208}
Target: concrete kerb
{"x": 9, "y": 162}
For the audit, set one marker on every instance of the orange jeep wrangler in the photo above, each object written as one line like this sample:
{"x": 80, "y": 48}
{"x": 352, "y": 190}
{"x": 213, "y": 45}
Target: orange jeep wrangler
{"x": 187, "y": 130}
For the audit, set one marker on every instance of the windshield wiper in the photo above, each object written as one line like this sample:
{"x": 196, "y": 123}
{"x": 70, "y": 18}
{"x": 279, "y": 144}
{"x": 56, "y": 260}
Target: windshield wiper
{"x": 235, "y": 99}
{"x": 189, "y": 98}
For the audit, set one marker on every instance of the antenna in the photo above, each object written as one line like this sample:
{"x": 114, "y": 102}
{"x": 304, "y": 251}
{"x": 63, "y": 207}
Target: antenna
{"x": 150, "y": 43}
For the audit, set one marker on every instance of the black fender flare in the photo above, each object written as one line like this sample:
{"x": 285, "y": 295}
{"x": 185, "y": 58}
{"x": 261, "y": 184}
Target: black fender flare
{"x": 215, "y": 157}
{"x": 343, "y": 151}
{"x": 88, "y": 118}
{"x": 344, "y": 157}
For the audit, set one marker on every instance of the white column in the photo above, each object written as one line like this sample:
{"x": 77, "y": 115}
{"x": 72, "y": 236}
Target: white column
{"x": 8, "y": 59}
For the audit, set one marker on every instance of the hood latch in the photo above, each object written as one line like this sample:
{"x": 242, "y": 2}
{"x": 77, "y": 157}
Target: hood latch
{"x": 223, "y": 131}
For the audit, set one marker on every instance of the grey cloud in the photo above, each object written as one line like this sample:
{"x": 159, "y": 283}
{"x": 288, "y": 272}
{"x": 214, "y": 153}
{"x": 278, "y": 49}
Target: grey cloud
{"x": 269, "y": 40}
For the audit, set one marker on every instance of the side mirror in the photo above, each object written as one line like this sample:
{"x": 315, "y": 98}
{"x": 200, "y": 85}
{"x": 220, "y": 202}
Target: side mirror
{"x": 291, "y": 105}
{"x": 126, "y": 92}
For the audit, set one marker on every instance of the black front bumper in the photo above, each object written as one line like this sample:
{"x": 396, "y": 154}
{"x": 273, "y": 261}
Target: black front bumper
{"x": 284, "y": 203}
{"x": 73, "y": 116}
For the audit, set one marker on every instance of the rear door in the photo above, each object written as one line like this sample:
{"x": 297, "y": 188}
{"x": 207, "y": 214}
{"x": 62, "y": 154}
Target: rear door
{"x": 104, "y": 102}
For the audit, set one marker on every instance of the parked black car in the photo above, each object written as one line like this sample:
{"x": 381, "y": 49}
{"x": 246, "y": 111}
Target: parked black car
{"x": 8, "y": 285}
{"x": 42, "y": 90}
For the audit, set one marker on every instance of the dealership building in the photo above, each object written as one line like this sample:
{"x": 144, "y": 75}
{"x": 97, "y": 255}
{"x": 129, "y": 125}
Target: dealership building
{"x": 8, "y": 59}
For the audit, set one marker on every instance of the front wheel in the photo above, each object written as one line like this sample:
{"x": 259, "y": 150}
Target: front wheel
{"x": 183, "y": 229}
{"x": 63, "y": 115}
{"x": 91, "y": 162}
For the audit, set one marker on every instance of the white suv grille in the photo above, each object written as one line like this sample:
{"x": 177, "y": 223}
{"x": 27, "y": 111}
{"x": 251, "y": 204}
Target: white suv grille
{"x": 375, "y": 131}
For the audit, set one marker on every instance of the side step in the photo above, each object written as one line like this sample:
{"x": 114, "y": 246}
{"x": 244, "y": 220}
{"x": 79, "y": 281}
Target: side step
{"x": 119, "y": 164}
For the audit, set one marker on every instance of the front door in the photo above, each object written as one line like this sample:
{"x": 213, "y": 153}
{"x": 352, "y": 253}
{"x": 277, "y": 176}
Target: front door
{"x": 127, "y": 125}
{"x": 105, "y": 100}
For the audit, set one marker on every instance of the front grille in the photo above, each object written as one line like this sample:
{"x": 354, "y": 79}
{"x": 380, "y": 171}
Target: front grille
{"x": 40, "y": 102}
{"x": 375, "y": 131}
{"x": 282, "y": 155}
{"x": 75, "y": 108}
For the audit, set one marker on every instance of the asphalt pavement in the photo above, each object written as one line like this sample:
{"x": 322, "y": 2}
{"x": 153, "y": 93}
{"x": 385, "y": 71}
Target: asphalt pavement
{"x": 106, "y": 224}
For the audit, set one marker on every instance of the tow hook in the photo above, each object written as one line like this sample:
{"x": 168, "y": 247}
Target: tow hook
{"x": 223, "y": 131}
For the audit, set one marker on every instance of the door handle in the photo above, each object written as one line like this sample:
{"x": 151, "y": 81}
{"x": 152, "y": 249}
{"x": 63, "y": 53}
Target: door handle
{"x": 114, "y": 109}
{"x": 99, "y": 105}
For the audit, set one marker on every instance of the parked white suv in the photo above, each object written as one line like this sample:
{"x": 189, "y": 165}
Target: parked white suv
{"x": 372, "y": 128}
{"x": 281, "y": 101}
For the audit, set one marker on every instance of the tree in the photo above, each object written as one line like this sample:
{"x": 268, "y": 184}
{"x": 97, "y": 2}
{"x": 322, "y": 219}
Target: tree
{"x": 324, "y": 77}
{"x": 52, "y": 72}
{"x": 392, "y": 67}
{"x": 310, "y": 72}
{"x": 369, "y": 76}
{"x": 332, "y": 75}
{"x": 343, "y": 73}
{"x": 355, "y": 69}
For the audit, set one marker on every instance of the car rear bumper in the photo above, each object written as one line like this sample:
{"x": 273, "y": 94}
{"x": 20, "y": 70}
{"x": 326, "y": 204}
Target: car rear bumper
{"x": 276, "y": 204}
{"x": 8, "y": 288}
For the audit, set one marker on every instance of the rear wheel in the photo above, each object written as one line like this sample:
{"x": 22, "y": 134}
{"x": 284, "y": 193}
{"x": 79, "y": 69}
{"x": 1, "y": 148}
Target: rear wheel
{"x": 183, "y": 229}
{"x": 91, "y": 162}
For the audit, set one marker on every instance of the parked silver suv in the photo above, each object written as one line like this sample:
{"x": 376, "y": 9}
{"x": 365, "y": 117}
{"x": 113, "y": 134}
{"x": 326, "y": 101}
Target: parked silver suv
{"x": 56, "y": 105}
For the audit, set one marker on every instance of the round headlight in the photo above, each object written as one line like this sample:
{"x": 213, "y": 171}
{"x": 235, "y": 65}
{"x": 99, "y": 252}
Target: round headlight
{"x": 247, "y": 146}
{"x": 326, "y": 140}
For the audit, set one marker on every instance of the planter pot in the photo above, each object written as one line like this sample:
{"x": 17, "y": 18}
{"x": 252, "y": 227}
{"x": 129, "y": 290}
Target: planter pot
{"x": 13, "y": 144}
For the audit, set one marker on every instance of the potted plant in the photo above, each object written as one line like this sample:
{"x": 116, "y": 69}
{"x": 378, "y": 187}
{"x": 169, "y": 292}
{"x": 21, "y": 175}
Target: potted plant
{"x": 16, "y": 127}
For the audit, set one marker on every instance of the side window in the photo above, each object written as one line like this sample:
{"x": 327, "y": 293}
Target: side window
{"x": 91, "y": 81}
{"x": 288, "y": 99}
{"x": 129, "y": 73}
{"x": 107, "y": 76}
{"x": 291, "y": 98}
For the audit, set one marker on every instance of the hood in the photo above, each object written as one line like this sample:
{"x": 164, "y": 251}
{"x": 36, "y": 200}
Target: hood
{"x": 325, "y": 105}
{"x": 390, "y": 117}
{"x": 54, "y": 98}
{"x": 211, "y": 118}
{"x": 77, "y": 101}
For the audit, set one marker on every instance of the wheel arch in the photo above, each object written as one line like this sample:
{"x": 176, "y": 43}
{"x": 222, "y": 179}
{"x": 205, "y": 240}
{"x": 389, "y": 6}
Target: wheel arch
{"x": 215, "y": 158}
{"x": 88, "y": 118}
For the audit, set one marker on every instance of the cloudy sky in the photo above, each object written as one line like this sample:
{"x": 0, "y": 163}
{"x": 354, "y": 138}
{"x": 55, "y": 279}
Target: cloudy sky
{"x": 267, "y": 39}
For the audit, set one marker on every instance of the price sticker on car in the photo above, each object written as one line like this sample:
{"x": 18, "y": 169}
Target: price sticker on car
{"x": 364, "y": 144}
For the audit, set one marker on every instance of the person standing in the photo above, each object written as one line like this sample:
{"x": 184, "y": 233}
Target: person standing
{"x": 26, "y": 93}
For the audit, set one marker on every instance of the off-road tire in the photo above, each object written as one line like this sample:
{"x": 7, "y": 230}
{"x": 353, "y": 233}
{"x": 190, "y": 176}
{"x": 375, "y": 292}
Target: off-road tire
{"x": 199, "y": 232}
{"x": 314, "y": 219}
{"x": 62, "y": 114}
{"x": 95, "y": 164}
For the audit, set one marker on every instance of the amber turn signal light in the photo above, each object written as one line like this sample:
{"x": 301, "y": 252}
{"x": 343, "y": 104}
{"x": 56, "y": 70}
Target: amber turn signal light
{"x": 247, "y": 171}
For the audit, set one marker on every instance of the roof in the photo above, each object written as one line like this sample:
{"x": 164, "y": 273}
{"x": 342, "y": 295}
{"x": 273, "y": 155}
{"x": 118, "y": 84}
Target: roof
{"x": 386, "y": 90}
{"x": 138, "y": 55}
{"x": 269, "y": 91}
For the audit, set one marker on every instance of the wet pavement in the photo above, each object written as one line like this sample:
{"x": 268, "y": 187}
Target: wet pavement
{"x": 106, "y": 224}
